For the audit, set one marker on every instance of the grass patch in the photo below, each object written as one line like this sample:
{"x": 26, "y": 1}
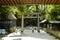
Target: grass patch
{"x": 52, "y": 32}
{"x": 2, "y": 36}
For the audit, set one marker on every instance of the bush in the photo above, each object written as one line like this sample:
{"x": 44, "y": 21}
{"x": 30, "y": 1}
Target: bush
{"x": 52, "y": 32}
{"x": 12, "y": 30}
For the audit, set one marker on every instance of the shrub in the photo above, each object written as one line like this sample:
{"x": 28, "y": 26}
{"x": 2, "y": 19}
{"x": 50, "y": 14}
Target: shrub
{"x": 52, "y": 32}
{"x": 12, "y": 30}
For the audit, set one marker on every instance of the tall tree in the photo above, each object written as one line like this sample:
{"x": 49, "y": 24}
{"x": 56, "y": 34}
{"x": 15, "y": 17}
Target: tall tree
{"x": 22, "y": 10}
{"x": 3, "y": 12}
{"x": 53, "y": 12}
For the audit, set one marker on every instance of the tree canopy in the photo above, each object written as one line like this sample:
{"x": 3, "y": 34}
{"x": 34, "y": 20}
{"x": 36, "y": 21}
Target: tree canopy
{"x": 53, "y": 12}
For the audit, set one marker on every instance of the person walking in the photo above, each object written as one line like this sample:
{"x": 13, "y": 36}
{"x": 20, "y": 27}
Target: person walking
{"x": 32, "y": 29}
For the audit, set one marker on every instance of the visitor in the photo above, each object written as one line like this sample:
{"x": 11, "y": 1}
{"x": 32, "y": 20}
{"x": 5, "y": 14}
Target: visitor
{"x": 32, "y": 29}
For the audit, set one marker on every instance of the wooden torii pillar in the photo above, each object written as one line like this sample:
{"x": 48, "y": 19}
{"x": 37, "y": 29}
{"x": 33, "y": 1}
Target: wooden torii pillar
{"x": 22, "y": 24}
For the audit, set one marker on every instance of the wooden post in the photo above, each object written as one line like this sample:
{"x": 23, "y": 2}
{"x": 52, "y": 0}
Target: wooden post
{"x": 22, "y": 23}
{"x": 37, "y": 18}
{"x": 38, "y": 23}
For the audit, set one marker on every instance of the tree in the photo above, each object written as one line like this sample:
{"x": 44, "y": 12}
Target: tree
{"x": 22, "y": 9}
{"x": 53, "y": 12}
{"x": 3, "y": 12}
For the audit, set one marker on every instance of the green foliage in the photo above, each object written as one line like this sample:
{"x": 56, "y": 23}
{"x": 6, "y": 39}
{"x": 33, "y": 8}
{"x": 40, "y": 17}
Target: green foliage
{"x": 3, "y": 12}
{"x": 12, "y": 9}
{"x": 3, "y": 9}
{"x": 22, "y": 9}
{"x": 12, "y": 30}
{"x": 53, "y": 33}
{"x": 41, "y": 8}
{"x": 31, "y": 8}
{"x": 53, "y": 12}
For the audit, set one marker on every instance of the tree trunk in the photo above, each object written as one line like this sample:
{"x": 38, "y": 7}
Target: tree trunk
{"x": 22, "y": 23}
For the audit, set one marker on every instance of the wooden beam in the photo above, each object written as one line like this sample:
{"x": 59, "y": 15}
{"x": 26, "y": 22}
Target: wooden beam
{"x": 21, "y": 2}
{"x": 46, "y": 1}
{"x": 52, "y": 1}
{"x": 55, "y": 1}
{"x": 12, "y": 2}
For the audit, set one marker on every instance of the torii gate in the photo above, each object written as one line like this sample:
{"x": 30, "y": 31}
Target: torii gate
{"x": 28, "y": 2}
